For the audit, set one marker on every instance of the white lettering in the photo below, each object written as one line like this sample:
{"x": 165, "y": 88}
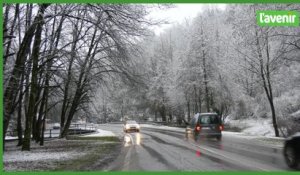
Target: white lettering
{"x": 273, "y": 18}
{"x": 293, "y": 18}
{"x": 261, "y": 17}
{"x": 279, "y": 19}
{"x": 285, "y": 18}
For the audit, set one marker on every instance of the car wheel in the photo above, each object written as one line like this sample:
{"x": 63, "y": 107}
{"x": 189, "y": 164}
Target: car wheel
{"x": 219, "y": 138}
{"x": 290, "y": 156}
{"x": 137, "y": 130}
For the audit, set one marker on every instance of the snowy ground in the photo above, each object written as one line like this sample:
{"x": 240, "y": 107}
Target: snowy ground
{"x": 40, "y": 157}
{"x": 254, "y": 127}
{"x": 61, "y": 154}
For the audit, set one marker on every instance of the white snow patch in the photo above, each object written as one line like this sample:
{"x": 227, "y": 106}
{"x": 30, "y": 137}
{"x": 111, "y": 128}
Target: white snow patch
{"x": 17, "y": 156}
{"x": 10, "y": 138}
{"x": 101, "y": 133}
{"x": 256, "y": 127}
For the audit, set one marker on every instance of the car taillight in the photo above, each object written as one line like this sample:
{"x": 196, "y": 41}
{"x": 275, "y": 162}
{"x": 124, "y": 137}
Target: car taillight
{"x": 221, "y": 127}
{"x": 198, "y": 128}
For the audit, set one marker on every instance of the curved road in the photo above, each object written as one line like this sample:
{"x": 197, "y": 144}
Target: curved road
{"x": 163, "y": 150}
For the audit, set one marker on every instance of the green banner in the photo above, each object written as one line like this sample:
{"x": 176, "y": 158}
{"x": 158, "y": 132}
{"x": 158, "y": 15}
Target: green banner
{"x": 277, "y": 18}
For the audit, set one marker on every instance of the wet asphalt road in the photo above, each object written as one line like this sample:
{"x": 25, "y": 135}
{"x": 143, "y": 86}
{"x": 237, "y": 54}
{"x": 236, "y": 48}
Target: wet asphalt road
{"x": 161, "y": 150}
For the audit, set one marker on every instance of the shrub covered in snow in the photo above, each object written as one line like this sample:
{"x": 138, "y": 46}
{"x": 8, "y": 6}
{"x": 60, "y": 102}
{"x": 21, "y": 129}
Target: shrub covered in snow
{"x": 288, "y": 112}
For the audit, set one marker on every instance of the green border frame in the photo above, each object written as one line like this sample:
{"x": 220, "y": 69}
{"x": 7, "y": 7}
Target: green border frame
{"x": 134, "y": 172}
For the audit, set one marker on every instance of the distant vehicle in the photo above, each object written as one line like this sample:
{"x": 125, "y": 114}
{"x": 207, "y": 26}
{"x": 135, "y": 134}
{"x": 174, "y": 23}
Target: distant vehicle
{"x": 131, "y": 125}
{"x": 56, "y": 126}
{"x": 205, "y": 125}
{"x": 291, "y": 150}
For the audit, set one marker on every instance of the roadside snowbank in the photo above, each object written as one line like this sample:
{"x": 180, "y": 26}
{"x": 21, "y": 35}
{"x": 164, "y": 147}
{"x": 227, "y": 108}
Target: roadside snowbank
{"x": 101, "y": 133}
{"x": 256, "y": 127}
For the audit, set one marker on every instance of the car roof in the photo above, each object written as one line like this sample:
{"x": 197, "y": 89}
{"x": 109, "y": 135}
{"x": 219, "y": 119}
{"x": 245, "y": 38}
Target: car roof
{"x": 204, "y": 114}
{"x": 131, "y": 121}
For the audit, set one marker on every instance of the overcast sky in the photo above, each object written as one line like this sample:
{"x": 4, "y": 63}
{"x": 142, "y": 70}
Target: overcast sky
{"x": 179, "y": 13}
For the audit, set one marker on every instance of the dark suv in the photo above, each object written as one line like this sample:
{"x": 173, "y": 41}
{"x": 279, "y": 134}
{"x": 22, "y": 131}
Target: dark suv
{"x": 205, "y": 124}
{"x": 291, "y": 150}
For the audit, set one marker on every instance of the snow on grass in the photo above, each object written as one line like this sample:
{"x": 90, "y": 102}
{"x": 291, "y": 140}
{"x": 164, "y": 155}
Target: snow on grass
{"x": 255, "y": 127}
{"x": 53, "y": 150}
{"x": 53, "y": 154}
{"x": 101, "y": 133}
{"x": 259, "y": 129}
{"x": 36, "y": 156}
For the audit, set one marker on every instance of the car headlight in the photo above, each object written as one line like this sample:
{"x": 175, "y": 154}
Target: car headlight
{"x": 127, "y": 126}
{"x": 138, "y": 126}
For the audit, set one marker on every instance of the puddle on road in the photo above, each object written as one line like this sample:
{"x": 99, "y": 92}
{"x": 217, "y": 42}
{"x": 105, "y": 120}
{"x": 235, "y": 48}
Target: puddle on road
{"x": 138, "y": 139}
{"x": 130, "y": 140}
{"x": 127, "y": 140}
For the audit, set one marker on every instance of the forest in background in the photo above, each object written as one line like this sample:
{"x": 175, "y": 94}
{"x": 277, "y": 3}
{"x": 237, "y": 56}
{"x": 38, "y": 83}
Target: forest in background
{"x": 102, "y": 62}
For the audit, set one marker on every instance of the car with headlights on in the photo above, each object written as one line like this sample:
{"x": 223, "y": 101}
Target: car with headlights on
{"x": 291, "y": 150}
{"x": 131, "y": 125}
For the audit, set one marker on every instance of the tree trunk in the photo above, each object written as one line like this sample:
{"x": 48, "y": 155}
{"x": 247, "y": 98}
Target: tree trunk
{"x": 189, "y": 110}
{"x": 73, "y": 110}
{"x": 266, "y": 80}
{"x": 37, "y": 102}
{"x": 200, "y": 100}
{"x": 162, "y": 112}
{"x": 45, "y": 101}
{"x": 66, "y": 99}
{"x": 205, "y": 83}
{"x": 42, "y": 136}
{"x": 29, "y": 62}
{"x": 195, "y": 100}
{"x": 33, "y": 91}
{"x": 5, "y": 21}
{"x": 19, "y": 125}
{"x": 80, "y": 86}
{"x": 268, "y": 77}
{"x": 7, "y": 52}
{"x": 39, "y": 122}
{"x": 10, "y": 91}
{"x": 170, "y": 116}
{"x": 211, "y": 99}
{"x": 19, "y": 119}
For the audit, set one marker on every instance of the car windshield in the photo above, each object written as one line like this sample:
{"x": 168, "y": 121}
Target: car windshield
{"x": 131, "y": 122}
{"x": 209, "y": 119}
